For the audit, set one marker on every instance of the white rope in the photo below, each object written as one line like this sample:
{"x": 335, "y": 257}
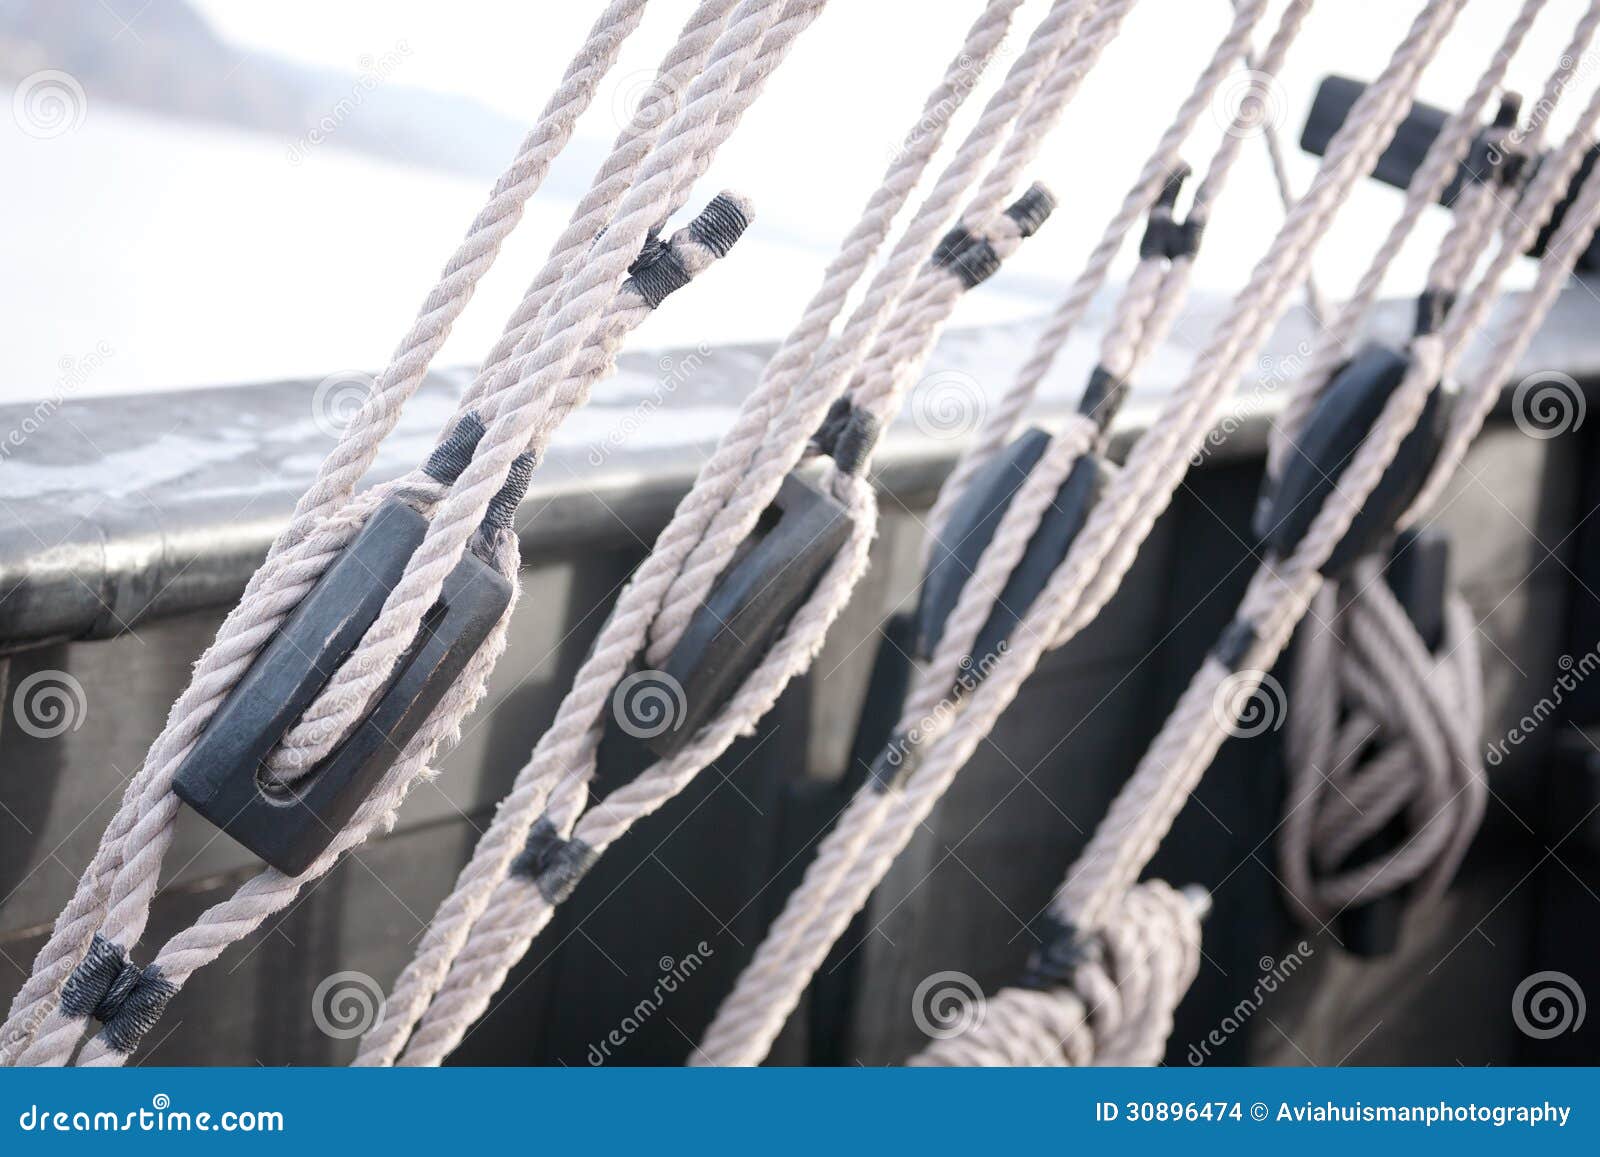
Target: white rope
{"x": 1380, "y": 729}
{"x": 1002, "y": 421}
{"x": 1279, "y": 594}
{"x": 785, "y": 435}
{"x": 1378, "y": 725}
{"x": 133, "y": 885}
{"x": 563, "y": 762}
{"x": 573, "y": 729}
{"x": 661, "y": 186}
{"x": 1334, "y": 343}
{"x": 271, "y": 891}
{"x": 291, "y": 565}
{"x": 684, "y": 61}
{"x": 1093, "y": 899}
{"x": 566, "y": 333}
{"x": 845, "y": 871}
{"x": 745, "y": 1025}
{"x": 1114, "y": 1008}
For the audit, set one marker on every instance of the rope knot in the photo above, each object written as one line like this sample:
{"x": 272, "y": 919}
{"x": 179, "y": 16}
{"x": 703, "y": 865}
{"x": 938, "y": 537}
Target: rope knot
{"x": 1104, "y": 997}
{"x": 125, "y": 998}
{"x": 1061, "y": 952}
{"x": 554, "y": 863}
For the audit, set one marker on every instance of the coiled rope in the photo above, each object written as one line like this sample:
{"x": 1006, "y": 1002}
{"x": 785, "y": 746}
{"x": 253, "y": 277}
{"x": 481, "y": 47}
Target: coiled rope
{"x": 1381, "y": 729}
{"x": 1384, "y": 726}
{"x": 1117, "y": 955}
{"x": 1279, "y": 593}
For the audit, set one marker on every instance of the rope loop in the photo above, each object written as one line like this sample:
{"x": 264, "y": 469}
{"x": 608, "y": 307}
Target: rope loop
{"x": 1061, "y": 952}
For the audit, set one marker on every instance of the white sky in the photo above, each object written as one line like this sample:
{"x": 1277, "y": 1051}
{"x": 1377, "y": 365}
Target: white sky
{"x": 816, "y": 144}
{"x": 311, "y": 268}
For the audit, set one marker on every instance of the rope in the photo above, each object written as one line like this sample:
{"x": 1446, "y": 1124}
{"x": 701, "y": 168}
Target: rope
{"x": 684, "y": 61}
{"x": 661, "y": 186}
{"x": 517, "y": 908}
{"x": 1380, "y": 729}
{"x": 1091, "y": 898}
{"x": 1376, "y": 724}
{"x": 1280, "y": 593}
{"x": 293, "y": 563}
{"x": 783, "y": 436}
{"x": 1003, "y": 420}
{"x": 133, "y": 885}
{"x": 1441, "y": 162}
{"x": 855, "y": 855}
{"x": 271, "y": 891}
{"x": 1119, "y": 955}
{"x": 1109, "y": 1002}
{"x": 744, "y": 1026}
{"x": 573, "y": 736}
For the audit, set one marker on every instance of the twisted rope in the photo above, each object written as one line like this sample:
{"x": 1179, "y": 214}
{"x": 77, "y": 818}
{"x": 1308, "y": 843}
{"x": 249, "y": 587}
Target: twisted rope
{"x": 1090, "y": 899}
{"x": 806, "y": 403}
{"x": 565, "y": 753}
{"x": 865, "y": 841}
{"x": 574, "y": 314}
{"x": 292, "y": 565}
{"x": 1002, "y": 421}
{"x": 271, "y": 891}
{"x": 1334, "y": 343}
{"x": 1278, "y": 595}
{"x": 683, "y": 62}
{"x": 478, "y": 968}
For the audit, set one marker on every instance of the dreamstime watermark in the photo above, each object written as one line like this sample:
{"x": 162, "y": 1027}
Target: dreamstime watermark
{"x": 1548, "y": 1004}
{"x": 1248, "y": 102}
{"x": 1573, "y": 673}
{"x": 75, "y": 374}
{"x": 649, "y": 703}
{"x": 17, "y": 1039}
{"x": 948, "y": 404}
{"x": 1248, "y": 703}
{"x": 674, "y": 371}
{"x": 1274, "y": 974}
{"x": 673, "y": 974}
{"x": 963, "y": 77}
{"x": 1547, "y": 404}
{"x": 49, "y": 703}
{"x": 1532, "y": 118}
{"x": 49, "y": 104}
{"x": 338, "y": 399}
{"x": 645, "y": 100}
{"x": 936, "y": 721}
{"x": 948, "y": 1004}
{"x": 159, "y": 1117}
{"x": 346, "y": 1004}
{"x": 1273, "y": 372}
{"x": 373, "y": 72}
